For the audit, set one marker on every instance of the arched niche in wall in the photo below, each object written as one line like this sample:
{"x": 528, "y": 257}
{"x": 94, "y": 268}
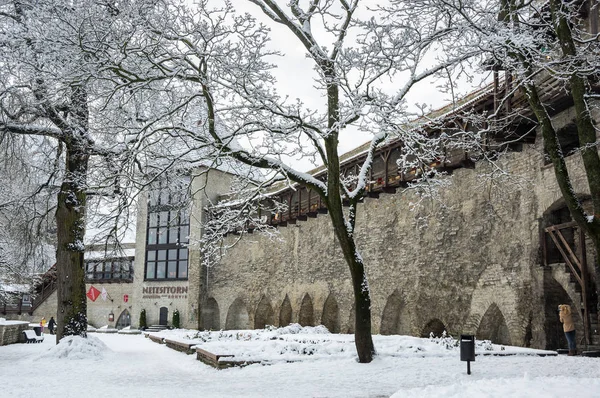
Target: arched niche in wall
{"x": 211, "y": 316}
{"x": 307, "y": 314}
{"x": 434, "y": 326}
{"x": 394, "y": 319}
{"x": 331, "y": 315}
{"x": 285, "y": 312}
{"x": 493, "y": 326}
{"x": 264, "y": 314}
{"x": 554, "y": 295}
{"x": 237, "y": 315}
{"x": 124, "y": 320}
{"x": 351, "y": 320}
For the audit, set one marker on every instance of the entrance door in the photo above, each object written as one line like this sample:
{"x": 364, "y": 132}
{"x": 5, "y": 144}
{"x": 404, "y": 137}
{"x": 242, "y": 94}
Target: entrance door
{"x": 164, "y": 315}
{"x": 124, "y": 320}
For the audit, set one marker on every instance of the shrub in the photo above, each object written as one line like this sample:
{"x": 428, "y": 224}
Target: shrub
{"x": 176, "y": 323}
{"x": 143, "y": 324}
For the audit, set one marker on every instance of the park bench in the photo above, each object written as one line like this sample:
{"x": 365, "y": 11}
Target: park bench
{"x": 31, "y": 337}
{"x": 156, "y": 339}
{"x": 220, "y": 361}
{"x": 180, "y": 346}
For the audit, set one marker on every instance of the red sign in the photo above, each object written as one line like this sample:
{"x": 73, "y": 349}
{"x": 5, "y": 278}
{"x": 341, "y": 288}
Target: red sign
{"x": 93, "y": 293}
{"x": 125, "y": 297}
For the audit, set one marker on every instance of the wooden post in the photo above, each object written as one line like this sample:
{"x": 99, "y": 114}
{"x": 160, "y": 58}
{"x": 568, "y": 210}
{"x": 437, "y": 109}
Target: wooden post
{"x": 584, "y": 287}
{"x": 544, "y": 247}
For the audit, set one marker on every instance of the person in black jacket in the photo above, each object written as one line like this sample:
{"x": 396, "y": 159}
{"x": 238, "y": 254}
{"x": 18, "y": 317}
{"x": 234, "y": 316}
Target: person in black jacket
{"x": 51, "y": 325}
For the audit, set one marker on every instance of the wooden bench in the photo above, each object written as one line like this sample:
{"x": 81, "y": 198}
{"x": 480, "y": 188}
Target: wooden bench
{"x": 156, "y": 339}
{"x": 215, "y": 361}
{"x": 180, "y": 346}
{"x": 31, "y": 337}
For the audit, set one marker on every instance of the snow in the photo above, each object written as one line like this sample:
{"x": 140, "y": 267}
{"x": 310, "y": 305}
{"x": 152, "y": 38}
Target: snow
{"x": 405, "y": 367}
{"x": 3, "y": 322}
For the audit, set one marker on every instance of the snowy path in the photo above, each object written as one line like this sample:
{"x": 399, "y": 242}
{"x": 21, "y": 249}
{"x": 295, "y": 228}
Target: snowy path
{"x": 136, "y": 367}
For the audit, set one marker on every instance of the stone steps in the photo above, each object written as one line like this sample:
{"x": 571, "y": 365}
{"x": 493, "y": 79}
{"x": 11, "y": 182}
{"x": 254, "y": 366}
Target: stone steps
{"x": 156, "y": 328}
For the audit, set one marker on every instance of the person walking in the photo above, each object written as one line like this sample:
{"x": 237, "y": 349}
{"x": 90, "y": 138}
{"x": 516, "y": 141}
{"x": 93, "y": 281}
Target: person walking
{"x": 43, "y": 324}
{"x": 566, "y": 318}
{"x": 51, "y": 325}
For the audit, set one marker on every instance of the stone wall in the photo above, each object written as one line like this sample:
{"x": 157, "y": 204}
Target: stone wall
{"x": 467, "y": 261}
{"x": 12, "y": 331}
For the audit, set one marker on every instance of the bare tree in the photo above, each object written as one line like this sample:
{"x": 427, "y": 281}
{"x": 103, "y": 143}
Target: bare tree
{"x": 549, "y": 50}
{"x": 214, "y": 67}
{"x": 51, "y": 99}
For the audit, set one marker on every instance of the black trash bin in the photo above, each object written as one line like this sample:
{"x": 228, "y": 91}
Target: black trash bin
{"x": 37, "y": 330}
{"x": 467, "y": 350}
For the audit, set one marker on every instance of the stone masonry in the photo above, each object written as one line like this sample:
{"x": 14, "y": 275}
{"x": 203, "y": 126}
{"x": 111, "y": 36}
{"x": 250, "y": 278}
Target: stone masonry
{"x": 466, "y": 262}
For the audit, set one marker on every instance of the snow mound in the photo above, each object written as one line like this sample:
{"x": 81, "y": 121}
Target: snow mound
{"x": 295, "y": 328}
{"x": 77, "y": 347}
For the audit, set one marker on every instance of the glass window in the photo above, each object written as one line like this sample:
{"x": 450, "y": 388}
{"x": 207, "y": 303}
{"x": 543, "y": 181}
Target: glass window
{"x": 173, "y": 238}
{"x": 168, "y": 230}
{"x": 183, "y": 268}
{"x": 185, "y": 232}
{"x": 161, "y": 269}
{"x": 172, "y": 269}
{"x": 150, "y": 268}
{"x": 110, "y": 270}
{"x": 162, "y": 236}
{"x": 152, "y": 236}
{"x": 107, "y": 270}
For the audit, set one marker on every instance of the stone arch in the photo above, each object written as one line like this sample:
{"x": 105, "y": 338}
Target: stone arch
{"x": 211, "y": 316}
{"x": 394, "y": 319}
{"x": 434, "y": 326}
{"x": 237, "y": 315}
{"x": 493, "y": 326}
{"x": 264, "y": 314}
{"x": 494, "y": 290}
{"x": 124, "y": 320}
{"x": 331, "y": 314}
{"x": 555, "y": 294}
{"x": 285, "y": 312}
{"x": 351, "y": 320}
{"x": 307, "y": 313}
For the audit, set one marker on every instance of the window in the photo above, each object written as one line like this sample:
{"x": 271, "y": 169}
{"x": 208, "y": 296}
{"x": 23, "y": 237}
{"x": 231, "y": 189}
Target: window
{"x": 168, "y": 230}
{"x": 109, "y": 270}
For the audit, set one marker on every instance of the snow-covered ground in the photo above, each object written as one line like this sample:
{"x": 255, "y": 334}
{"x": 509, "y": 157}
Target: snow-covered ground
{"x": 320, "y": 365}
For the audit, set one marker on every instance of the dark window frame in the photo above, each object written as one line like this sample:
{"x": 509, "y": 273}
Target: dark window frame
{"x": 167, "y": 234}
{"x": 96, "y": 271}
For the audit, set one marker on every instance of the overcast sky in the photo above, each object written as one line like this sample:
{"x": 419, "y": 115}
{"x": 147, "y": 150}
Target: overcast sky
{"x": 295, "y": 75}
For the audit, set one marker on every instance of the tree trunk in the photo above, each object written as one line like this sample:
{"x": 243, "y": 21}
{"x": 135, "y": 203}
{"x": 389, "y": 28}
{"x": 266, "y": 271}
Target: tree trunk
{"x": 585, "y": 127}
{"x": 70, "y": 221}
{"x": 362, "y": 296}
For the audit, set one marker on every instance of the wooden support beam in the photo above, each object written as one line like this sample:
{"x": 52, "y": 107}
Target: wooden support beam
{"x": 565, "y": 257}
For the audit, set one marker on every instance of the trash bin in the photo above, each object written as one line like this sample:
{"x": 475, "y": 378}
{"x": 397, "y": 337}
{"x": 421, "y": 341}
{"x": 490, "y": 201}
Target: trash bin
{"x": 37, "y": 330}
{"x": 467, "y": 350}
{"x": 467, "y": 347}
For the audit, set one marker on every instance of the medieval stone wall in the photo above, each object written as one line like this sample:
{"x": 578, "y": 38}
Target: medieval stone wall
{"x": 466, "y": 261}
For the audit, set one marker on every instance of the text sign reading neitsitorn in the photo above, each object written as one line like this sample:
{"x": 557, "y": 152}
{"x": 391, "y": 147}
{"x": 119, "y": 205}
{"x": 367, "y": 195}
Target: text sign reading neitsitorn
{"x": 172, "y": 292}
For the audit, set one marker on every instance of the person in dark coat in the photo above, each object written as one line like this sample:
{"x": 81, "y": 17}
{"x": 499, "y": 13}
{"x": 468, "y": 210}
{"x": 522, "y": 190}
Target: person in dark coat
{"x": 51, "y": 325}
